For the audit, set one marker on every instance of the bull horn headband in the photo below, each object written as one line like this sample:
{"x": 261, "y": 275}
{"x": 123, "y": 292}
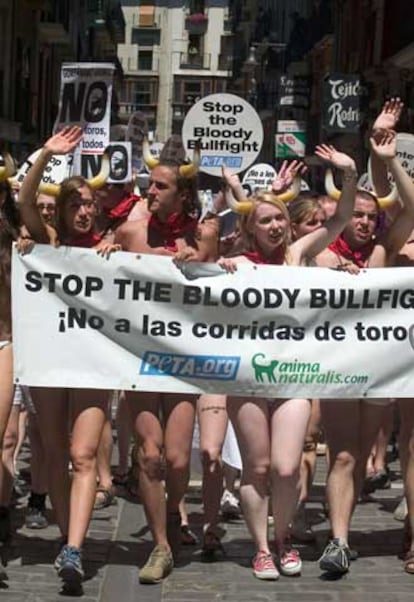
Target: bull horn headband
{"x": 242, "y": 205}
{"x": 96, "y": 182}
{"x": 335, "y": 194}
{"x": 186, "y": 171}
{"x": 8, "y": 168}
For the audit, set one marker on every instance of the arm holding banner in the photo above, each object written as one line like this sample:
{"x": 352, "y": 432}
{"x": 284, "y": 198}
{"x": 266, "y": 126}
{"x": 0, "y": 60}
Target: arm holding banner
{"x": 401, "y": 228}
{"x": 59, "y": 144}
{"x": 310, "y": 245}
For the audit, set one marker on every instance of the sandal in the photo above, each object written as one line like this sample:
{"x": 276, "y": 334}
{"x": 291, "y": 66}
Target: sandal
{"x": 409, "y": 562}
{"x": 104, "y": 497}
{"x": 406, "y": 543}
{"x": 188, "y": 538}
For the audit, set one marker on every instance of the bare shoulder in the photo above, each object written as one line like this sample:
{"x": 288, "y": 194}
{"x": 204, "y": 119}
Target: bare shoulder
{"x": 130, "y": 230}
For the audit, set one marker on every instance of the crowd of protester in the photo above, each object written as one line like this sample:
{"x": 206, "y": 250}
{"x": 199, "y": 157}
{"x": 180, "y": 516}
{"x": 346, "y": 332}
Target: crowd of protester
{"x": 70, "y": 430}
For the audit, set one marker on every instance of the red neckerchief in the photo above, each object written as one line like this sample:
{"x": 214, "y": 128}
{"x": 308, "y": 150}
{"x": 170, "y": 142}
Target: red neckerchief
{"x": 360, "y": 257}
{"x": 86, "y": 241}
{"x": 176, "y": 226}
{"x": 123, "y": 209}
{"x": 277, "y": 258}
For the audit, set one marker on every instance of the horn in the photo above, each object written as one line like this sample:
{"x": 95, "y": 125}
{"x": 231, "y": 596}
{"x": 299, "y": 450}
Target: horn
{"x": 8, "y": 169}
{"x": 190, "y": 170}
{"x": 49, "y": 189}
{"x": 292, "y": 192}
{"x": 242, "y": 207}
{"x": 149, "y": 160}
{"x": 330, "y": 187}
{"x": 99, "y": 180}
{"x": 386, "y": 201}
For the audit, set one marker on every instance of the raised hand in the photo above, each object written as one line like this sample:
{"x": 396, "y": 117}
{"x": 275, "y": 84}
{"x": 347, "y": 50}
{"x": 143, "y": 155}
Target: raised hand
{"x": 232, "y": 181}
{"x": 389, "y": 116}
{"x": 286, "y": 175}
{"x": 64, "y": 141}
{"x": 384, "y": 145}
{"x": 341, "y": 161}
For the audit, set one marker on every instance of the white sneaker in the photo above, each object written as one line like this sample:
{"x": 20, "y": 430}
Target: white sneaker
{"x": 401, "y": 510}
{"x": 229, "y": 505}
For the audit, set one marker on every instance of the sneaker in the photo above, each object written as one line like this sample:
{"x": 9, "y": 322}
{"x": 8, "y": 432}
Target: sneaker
{"x": 158, "y": 566}
{"x": 290, "y": 563}
{"x": 68, "y": 565}
{"x": 229, "y": 506}
{"x": 36, "y": 518}
{"x": 335, "y": 558}
{"x": 301, "y": 530}
{"x": 264, "y": 567}
{"x": 401, "y": 510}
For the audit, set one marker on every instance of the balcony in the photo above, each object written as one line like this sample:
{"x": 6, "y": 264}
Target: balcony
{"x": 191, "y": 60}
{"x": 196, "y": 24}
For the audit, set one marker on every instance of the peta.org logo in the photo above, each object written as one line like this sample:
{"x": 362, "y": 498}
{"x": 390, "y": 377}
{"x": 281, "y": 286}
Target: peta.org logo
{"x": 217, "y": 367}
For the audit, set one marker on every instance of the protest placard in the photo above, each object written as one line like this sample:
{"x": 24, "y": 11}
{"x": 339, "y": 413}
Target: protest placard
{"x": 229, "y": 130}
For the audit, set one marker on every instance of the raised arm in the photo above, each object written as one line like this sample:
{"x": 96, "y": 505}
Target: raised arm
{"x": 59, "y": 144}
{"x": 386, "y": 120}
{"x": 310, "y": 245}
{"x": 401, "y": 228}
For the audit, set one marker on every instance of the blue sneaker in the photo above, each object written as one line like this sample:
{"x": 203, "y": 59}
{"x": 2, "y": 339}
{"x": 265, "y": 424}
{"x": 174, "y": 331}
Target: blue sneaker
{"x": 68, "y": 565}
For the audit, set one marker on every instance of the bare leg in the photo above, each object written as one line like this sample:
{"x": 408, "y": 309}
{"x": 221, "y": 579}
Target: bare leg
{"x": 145, "y": 414}
{"x": 250, "y": 418}
{"x": 124, "y": 432}
{"x": 38, "y": 464}
{"x": 9, "y": 446}
{"x": 308, "y": 461}
{"x": 212, "y": 419}
{"x": 289, "y": 423}
{"x": 6, "y": 398}
{"x": 88, "y": 408}
{"x": 105, "y": 451}
{"x": 52, "y": 414}
{"x": 341, "y": 421}
{"x": 406, "y": 449}
{"x": 21, "y": 435}
{"x": 177, "y": 441}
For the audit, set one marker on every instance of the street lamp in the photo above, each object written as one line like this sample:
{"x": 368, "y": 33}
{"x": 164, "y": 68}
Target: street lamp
{"x": 249, "y": 70}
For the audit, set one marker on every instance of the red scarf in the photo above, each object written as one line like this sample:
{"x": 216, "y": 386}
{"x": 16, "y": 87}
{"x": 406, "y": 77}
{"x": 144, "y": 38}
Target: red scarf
{"x": 86, "y": 241}
{"x": 123, "y": 209}
{"x": 176, "y": 226}
{"x": 358, "y": 257}
{"x": 277, "y": 258}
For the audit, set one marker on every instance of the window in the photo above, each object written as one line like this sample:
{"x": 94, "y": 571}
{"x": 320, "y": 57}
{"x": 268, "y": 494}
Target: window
{"x": 145, "y": 60}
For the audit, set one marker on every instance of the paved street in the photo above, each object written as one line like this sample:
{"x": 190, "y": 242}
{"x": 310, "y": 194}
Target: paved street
{"x": 119, "y": 541}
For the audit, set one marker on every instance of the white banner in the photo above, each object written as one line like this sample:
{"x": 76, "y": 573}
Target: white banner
{"x": 85, "y": 100}
{"x": 138, "y": 322}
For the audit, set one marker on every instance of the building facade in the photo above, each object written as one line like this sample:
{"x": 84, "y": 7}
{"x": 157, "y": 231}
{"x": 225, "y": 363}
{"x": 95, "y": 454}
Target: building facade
{"x": 175, "y": 52}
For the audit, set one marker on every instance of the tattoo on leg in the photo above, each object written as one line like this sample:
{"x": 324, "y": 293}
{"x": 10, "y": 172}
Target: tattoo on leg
{"x": 215, "y": 409}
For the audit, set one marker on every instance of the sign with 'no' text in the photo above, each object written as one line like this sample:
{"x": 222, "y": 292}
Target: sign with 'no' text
{"x": 85, "y": 100}
{"x": 229, "y": 130}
